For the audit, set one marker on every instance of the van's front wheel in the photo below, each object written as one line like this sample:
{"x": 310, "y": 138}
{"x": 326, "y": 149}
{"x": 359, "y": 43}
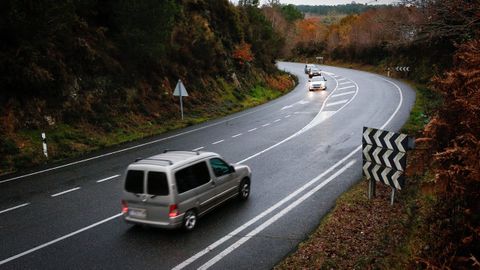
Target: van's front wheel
{"x": 244, "y": 189}
{"x": 190, "y": 220}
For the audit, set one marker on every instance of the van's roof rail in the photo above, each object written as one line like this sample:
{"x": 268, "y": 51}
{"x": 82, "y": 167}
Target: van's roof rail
{"x": 190, "y": 151}
{"x": 156, "y": 159}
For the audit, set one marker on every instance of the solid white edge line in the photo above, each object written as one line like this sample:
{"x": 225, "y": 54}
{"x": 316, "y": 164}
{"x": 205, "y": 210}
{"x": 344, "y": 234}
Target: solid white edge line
{"x": 137, "y": 146}
{"x": 108, "y": 178}
{"x": 199, "y": 148}
{"x": 277, "y": 216}
{"x": 57, "y": 240}
{"x": 245, "y": 225}
{"x": 63, "y": 192}
{"x": 263, "y": 214}
{"x": 13, "y": 208}
{"x": 239, "y": 229}
{"x": 217, "y": 142}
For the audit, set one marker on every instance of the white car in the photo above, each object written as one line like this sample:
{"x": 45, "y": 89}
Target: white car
{"x": 317, "y": 82}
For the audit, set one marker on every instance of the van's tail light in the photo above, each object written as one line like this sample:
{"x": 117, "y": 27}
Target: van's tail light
{"x": 173, "y": 211}
{"x": 124, "y": 207}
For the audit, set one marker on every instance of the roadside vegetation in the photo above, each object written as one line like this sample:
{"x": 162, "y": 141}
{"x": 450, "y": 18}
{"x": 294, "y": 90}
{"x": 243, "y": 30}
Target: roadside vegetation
{"x": 92, "y": 74}
{"x": 435, "y": 221}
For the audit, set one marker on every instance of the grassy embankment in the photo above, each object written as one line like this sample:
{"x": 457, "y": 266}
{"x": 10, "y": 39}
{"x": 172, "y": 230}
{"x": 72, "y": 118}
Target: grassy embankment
{"x": 68, "y": 141}
{"x": 360, "y": 233}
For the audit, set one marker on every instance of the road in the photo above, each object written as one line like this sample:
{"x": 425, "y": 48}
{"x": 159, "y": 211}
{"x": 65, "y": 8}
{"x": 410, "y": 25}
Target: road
{"x": 303, "y": 149}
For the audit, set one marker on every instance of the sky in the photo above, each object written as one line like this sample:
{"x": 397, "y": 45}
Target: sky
{"x": 333, "y": 2}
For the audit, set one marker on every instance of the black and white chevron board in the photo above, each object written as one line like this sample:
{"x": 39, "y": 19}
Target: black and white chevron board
{"x": 385, "y": 156}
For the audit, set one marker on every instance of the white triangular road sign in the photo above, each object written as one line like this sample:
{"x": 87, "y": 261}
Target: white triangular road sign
{"x": 180, "y": 90}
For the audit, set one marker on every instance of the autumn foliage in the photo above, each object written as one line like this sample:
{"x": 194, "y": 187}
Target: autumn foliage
{"x": 243, "y": 53}
{"x": 455, "y": 137}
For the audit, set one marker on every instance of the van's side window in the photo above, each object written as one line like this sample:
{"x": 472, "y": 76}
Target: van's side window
{"x": 192, "y": 176}
{"x": 157, "y": 183}
{"x": 134, "y": 181}
{"x": 219, "y": 167}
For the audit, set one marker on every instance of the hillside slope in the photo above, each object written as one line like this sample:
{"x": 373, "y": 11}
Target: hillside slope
{"x": 96, "y": 73}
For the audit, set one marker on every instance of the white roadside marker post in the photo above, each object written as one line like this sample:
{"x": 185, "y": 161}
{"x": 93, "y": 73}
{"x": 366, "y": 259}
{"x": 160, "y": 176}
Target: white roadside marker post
{"x": 44, "y": 141}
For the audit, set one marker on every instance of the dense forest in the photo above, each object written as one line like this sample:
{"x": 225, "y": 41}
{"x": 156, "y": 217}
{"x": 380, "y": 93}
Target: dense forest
{"x": 440, "y": 41}
{"x": 348, "y": 9}
{"x": 94, "y": 73}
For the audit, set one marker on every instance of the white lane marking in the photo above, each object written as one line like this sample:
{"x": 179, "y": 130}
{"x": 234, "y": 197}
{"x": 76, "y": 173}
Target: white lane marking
{"x": 266, "y": 125}
{"x": 57, "y": 240}
{"x": 253, "y": 129}
{"x": 347, "y": 87}
{"x": 241, "y": 228}
{"x": 303, "y": 102}
{"x": 337, "y": 103}
{"x": 287, "y": 116}
{"x": 343, "y": 83}
{"x": 236, "y": 231}
{"x": 270, "y": 221}
{"x": 217, "y": 142}
{"x": 136, "y": 146}
{"x": 343, "y": 94}
{"x": 63, "y": 192}
{"x": 239, "y": 134}
{"x": 286, "y": 107}
{"x": 342, "y": 79}
{"x": 263, "y": 214}
{"x": 13, "y": 208}
{"x": 277, "y": 120}
{"x": 199, "y": 148}
{"x": 108, "y": 178}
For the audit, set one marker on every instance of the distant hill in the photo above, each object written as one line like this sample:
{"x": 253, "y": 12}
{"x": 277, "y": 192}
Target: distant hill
{"x": 338, "y": 9}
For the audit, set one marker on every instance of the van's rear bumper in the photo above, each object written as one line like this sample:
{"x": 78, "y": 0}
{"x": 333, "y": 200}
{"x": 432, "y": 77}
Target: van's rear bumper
{"x": 173, "y": 223}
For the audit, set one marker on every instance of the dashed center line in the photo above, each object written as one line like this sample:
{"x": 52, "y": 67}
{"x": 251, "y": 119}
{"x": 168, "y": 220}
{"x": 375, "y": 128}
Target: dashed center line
{"x": 277, "y": 120}
{"x": 217, "y": 142}
{"x": 63, "y": 192}
{"x": 199, "y": 148}
{"x": 253, "y": 129}
{"x": 287, "y": 116}
{"x": 13, "y": 208}
{"x": 266, "y": 125}
{"x": 108, "y": 178}
{"x": 239, "y": 134}
{"x": 343, "y": 94}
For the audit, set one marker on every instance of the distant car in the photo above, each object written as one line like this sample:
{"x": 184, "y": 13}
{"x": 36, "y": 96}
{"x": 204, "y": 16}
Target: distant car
{"x": 317, "y": 83}
{"x": 314, "y": 72}
{"x": 173, "y": 189}
{"x": 308, "y": 67}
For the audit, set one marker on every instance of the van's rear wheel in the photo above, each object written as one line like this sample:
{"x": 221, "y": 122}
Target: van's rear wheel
{"x": 244, "y": 189}
{"x": 190, "y": 220}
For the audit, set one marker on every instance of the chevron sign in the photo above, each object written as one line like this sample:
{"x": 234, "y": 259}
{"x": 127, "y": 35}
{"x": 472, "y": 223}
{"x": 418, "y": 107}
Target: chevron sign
{"x": 385, "y": 156}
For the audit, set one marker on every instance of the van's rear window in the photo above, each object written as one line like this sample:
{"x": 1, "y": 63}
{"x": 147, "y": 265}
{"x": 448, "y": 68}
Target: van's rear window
{"x": 157, "y": 184}
{"x": 134, "y": 181}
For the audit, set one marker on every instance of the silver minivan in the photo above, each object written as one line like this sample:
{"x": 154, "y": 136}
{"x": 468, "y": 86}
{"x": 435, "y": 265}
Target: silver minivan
{"x": 173, "y": 189}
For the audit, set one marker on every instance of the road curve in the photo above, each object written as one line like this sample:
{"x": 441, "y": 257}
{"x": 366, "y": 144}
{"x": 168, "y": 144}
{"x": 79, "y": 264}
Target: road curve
{"x": 303, "y": 149}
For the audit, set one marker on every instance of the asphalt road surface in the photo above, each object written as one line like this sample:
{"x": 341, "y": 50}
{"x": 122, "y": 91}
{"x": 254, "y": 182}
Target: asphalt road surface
{"x": 303, "y": 149}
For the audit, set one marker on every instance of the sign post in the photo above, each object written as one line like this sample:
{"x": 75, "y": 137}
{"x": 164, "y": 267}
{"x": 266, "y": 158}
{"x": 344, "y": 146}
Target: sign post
{"x": 181, "y": 92}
